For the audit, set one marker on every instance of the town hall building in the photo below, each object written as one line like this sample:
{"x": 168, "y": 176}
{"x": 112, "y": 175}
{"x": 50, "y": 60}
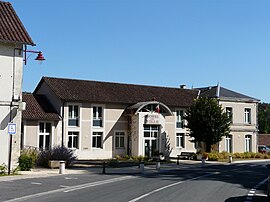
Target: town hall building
{"x": 100, "y": 120}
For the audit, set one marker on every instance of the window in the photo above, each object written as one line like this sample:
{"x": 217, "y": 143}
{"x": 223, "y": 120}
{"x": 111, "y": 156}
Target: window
{"x": 97, "y": 140}
{"x": 73, "y": 115}
{"x": 180, "y": 140}
{"x": 97, "y": 116}
{"x": 229, "y": 112}
{"x": 119, "y": 140}
{"x": 248, "y": 115}
{"x": 248, "y": 145}
{"x": 151, "y": 131}
{"x": 228, "y": 143}
{"x": 44, "y": 135}
{"x": 73, "y": 140}
{"x": 179, "y": 119}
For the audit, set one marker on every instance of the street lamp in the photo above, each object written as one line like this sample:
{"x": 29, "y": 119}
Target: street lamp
{"x": 39, "y": 57}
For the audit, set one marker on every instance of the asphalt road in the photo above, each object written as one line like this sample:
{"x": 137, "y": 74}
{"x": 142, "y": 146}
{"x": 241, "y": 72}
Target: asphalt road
{"x": 228, "y": 183}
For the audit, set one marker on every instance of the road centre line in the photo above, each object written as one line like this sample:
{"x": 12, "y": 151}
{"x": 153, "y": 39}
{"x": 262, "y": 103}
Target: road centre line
{"x": 170, "y": 185}
{"x": 71, "y": 188}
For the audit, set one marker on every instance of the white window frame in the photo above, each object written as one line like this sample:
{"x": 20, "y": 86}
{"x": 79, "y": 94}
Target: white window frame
{"x": 72, "y": 135}
{"x": 248, "y": 143}
{"x": 247, "y": 115}
{"x": 180, "y": 138}
{"x": 118, "y": 135}
{"x": 228, "y": 143}
{"x": 73, "y": 117}
{"x": 97, "y": 117}
{"x": 44, "y": 134}
{"x": 180, "y": 118}
{"x": 230, "y": 115}
{"x": 97, "y": 134}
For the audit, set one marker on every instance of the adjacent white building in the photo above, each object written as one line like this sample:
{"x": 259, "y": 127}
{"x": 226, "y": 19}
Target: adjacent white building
{"x": 13, "y": 39}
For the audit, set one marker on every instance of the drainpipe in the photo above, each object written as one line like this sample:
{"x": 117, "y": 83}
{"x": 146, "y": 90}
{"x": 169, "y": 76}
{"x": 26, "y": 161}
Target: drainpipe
{"x": 62, "y": 117}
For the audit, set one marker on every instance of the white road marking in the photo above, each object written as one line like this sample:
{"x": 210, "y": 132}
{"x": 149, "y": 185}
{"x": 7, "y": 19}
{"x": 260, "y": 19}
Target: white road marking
{"x": 37, "y": 183}
{"x": 64, "y": 186}
{"x": 71, "y": 178}
{"x": 170, "y": 185}
{"x": 252, "y": 192}
{"x": 96, "y": 184}
{"x": 263, "y": 195}
{"x": 72, "y": 188}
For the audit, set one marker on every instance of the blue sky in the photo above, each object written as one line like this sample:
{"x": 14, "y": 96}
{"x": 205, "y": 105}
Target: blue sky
{"x": 152, "y": 42}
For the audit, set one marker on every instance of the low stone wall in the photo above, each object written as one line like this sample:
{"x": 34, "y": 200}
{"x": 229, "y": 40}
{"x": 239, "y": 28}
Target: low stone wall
{"x": 264, "y": 139}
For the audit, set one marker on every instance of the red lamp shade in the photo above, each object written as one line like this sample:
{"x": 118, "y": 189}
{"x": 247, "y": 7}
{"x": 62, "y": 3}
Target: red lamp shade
{"x": 40, "y": 57}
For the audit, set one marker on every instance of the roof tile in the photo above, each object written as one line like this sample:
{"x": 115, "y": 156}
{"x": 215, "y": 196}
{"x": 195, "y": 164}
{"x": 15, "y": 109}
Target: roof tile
{"x": 107, "y": 92}
{"x": 11, "y": 27}
{"x": 38, "y": 108}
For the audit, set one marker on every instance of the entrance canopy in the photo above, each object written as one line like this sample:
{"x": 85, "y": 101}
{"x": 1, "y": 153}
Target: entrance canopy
{"x": 150, "y": 106}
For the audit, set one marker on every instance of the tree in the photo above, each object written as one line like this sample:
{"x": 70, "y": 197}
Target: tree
{"x": 264, "y": 118}
{"x": 207, "y": 122}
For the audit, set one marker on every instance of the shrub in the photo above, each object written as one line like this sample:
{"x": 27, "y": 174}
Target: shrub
{"x": 258, "y": 155}
{"x": 113, "y": 163}
{"x": 118, "y": 157}
{"x": 3, "y": 169}
{"x": 56, "y": 153}
{"x": 63, "y": 153}
{"x": 25, "y": 162}
{"x": 224, "y": 155}
{"x": 33, "y": 153}
{"x": 213, "y": 156}
{"x": 237, "y": 155}
{"x": 43, "y": 158}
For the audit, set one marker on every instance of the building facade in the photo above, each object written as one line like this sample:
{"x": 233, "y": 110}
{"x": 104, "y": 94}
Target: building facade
{"x": 13, "y": 38}
{"x": 242, "y": 111}
{"x": 100, "y": 120}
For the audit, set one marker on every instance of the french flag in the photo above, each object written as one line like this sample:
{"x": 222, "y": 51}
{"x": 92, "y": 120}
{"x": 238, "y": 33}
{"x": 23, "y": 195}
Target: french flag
{"x": 157, "y": 109}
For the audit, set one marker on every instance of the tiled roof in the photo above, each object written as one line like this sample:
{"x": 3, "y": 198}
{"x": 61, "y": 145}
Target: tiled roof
{"x": 224, "y": 93}
{"x": 106, "y": 92}
{"x": 38, "y": 108}
{"x": 11, "y": 27}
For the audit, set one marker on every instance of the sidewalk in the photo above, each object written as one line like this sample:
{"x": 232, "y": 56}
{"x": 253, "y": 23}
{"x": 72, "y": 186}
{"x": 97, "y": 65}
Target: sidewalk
{"x": 39, "y": 173}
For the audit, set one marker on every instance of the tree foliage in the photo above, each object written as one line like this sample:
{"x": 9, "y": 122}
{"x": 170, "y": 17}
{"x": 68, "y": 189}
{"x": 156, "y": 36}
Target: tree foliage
{"x": 264, "y": 118}
{"x": 207, "y": 122}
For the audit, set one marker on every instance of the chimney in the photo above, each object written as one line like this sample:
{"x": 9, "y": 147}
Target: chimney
{"x": 183, "y": 86}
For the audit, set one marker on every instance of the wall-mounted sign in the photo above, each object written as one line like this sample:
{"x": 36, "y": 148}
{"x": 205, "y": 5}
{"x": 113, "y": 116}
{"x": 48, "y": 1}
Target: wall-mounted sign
{"x": 12, "y": 128}
{"x": 152, "y": 118}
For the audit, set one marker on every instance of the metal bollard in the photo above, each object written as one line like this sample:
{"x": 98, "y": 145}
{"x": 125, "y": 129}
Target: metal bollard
{"x": 62, "y": 167}
{"x": 103, "y": 170}
{"x": 158, "y": 165}
{"x": 142, "y": 167}
{"x": 203, "y": 162}
{"x": 230, "y": 159}
{"x": 178, "y": 157}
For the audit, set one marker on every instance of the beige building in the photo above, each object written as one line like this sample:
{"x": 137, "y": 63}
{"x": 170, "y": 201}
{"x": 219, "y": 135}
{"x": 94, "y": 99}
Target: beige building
{"x": 13, "y": 41}
{"x": 242, "y": 110}
{"x": 101, "y": 120}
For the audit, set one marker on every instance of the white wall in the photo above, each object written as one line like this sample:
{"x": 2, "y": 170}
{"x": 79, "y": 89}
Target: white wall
{"x": 11, "y": 70}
